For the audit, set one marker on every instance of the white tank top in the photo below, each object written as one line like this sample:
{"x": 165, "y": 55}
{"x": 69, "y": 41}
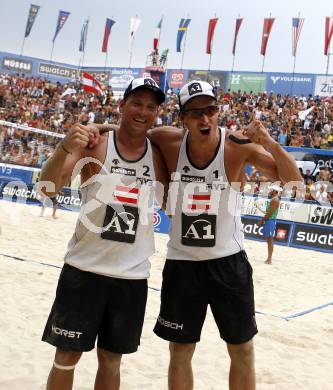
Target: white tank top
{"x": 114, "y": 233}
{"x": 205, "y": 211}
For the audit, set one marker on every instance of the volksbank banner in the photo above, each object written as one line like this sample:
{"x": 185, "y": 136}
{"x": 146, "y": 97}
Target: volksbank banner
{"x": 255, "y": 82}
{"x": 288, "y": 84}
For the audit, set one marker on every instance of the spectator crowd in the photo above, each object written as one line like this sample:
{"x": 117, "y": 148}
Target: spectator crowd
{"x": 292, "y": 121}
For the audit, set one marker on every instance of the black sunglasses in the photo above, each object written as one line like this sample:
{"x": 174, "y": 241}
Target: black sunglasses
{"x": 196, "y": 113}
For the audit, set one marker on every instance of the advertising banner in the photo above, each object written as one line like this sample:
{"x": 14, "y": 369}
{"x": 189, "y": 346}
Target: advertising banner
{"x": 177, "y": 78}
{"x": 45, "y": 68}
{"x": 253, "y": 231}
{"x": 9, "y": 172}
{"x": 217, "y": 78}
{"x": 121, "y": 77}
{"x": 288, "y": 84}
{"x": 17, "y": 65}
{"x": 247, "y": 82}
{"x": 314, "y": 237}
{"x": 324, "y": 86}
{"x": 161, "y": 222}
{"x": 18, "y": 191}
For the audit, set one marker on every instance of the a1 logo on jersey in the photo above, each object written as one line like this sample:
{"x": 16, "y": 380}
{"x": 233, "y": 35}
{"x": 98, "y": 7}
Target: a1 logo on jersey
{"x": 198, "y": 230}
{"x": 121, "y": 223}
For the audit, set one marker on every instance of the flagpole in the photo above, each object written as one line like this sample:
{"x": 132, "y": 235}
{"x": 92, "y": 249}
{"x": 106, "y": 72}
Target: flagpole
{"x": 295, "y": 43}
{"x": 328, "y": 57}
{"x": 182, "y": 61}
{"x": 51, "y": 55}
{"x": 233, "y": 59}
{"x": 210, "y": 55}
{"x": 85, "y": 38}
{"x": 131, "y": 49}
{"x": 22, "y": 47}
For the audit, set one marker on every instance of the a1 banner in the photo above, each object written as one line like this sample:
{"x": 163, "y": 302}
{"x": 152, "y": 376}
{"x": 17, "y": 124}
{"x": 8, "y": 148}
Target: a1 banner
{"x": 312, "y": 237}
{"x": 253, "y": 231}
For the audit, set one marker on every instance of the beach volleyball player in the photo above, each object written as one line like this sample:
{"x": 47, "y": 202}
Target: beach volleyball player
{"x": 206, "y": 262}
{"x": 102, "y": 288}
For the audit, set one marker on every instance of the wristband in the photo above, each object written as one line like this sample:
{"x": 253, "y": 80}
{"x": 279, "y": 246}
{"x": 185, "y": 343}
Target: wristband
{"x": 64, "y": 149}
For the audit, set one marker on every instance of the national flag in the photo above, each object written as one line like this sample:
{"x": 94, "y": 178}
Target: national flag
{"x": 268, "y": 24}
{"x": 183, "y": 27}
{"x": 157, "y": 35}
{"x": 125, "y": 194}
{"x": 62, "y": 17}
{"x": 328, "y": 33}
{"x": 237, "y": 28}
{"x": 90, "y": 84}
{"x": 134, "y": 25}
{"x": 210, "y": 34}
{"x": 297, "y": 25}
{"x": 108, "y": 25}
{"x": 281, "y": 234}
{"x": 199, "y": 201}
{"x": 31, "y": 19}
{"x": 83, "y": 38}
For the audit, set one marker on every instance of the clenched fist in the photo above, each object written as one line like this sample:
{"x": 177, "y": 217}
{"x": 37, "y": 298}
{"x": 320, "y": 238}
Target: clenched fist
{"x": 80, "y": 137}
{"x": 258, "y": 134}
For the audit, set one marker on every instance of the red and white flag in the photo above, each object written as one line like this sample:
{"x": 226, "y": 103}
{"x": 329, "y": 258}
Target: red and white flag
{"x": 328, "y": 33}
{"x": 210, "y": 34}
{"x": 237, "y": 28}
{"x": 268, "y": 24}
{"x": 157, "y": 35}
{"x": 199, "y": 202}
{"x": 134, "y": 25}
{"x": 90, "y": 84}
{"x": 281, "y": 233}
{"x": 126, "y": 194}
{"x": 297, "y": 25}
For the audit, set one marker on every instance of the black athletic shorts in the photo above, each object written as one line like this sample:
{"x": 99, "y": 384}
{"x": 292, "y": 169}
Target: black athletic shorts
{"x": 190, "y": 286}
{"x": 88, "y": 305}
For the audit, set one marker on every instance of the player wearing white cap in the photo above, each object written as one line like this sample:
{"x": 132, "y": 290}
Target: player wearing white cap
{"x": 102, "y": 289}
{"x": 206, "y": 262}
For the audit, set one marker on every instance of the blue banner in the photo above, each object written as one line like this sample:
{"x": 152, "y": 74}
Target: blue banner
{"x": 289, "y": 84}
{"x": 121, "y": 77}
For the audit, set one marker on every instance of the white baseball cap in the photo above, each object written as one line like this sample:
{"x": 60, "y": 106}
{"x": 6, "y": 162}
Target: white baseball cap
{"x": 275, "y": 188}
{"x": 193, "y": 89}
{"x": 147, "y": 83}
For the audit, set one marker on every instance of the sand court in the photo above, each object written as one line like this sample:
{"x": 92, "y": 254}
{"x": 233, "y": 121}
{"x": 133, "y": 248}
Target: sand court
{"x": 297, "y": 353}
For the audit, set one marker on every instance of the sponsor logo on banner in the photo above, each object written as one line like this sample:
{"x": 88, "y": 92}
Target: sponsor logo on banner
{"x": 176, "y": 78}
{"x": 11, "y": 63}
{"x": 101, "y": 76}
{"x": 313, "y": 237}
{"x": 291, "y": 79}
{"x": 324, "y": 86}
{"x": 156, "y": 219}
{"x": 121, "y": 77}
{"x": 248, "y": 82}
{"x": 56, "y": 70}
{"x": 321, "y": 215}
{"x": 252, "y": 230}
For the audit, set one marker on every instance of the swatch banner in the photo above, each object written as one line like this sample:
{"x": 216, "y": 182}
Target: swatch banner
{"x": 217, "y": 78}
{"x": 287, "y": 84}
{"x": 121, "y": 77}
{"x": 57, "y": 70}
{"x": 247, "y": 82}
{"x": 312, "y": 237}
{"x": 252, "y": 230}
